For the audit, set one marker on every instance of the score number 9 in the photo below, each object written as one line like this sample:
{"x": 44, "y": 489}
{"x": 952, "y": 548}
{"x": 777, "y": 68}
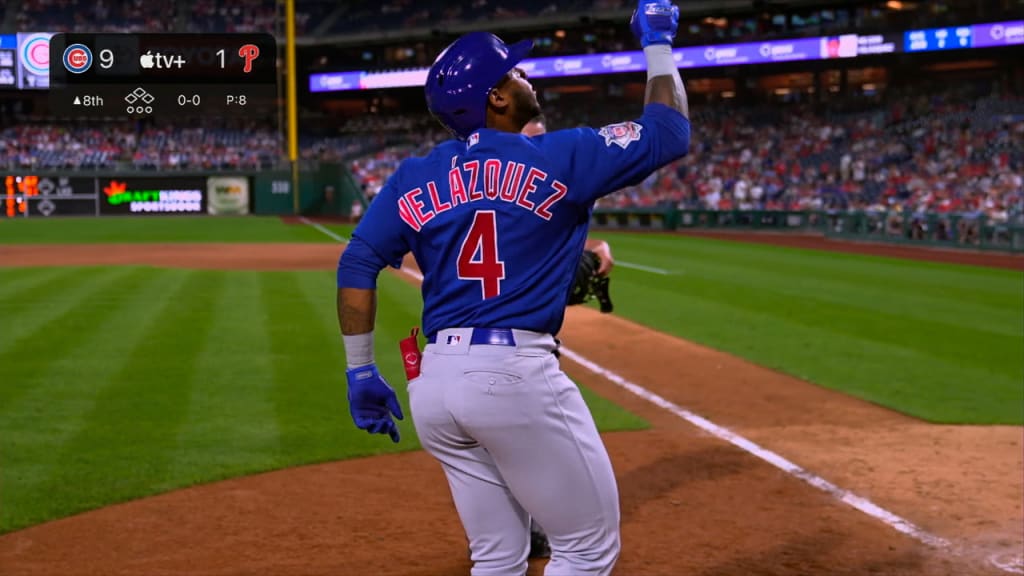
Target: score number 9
{"x": 106, "y": 58}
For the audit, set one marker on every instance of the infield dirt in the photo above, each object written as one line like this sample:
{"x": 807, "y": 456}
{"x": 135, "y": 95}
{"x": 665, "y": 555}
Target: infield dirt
{"x": 691, "y": 503}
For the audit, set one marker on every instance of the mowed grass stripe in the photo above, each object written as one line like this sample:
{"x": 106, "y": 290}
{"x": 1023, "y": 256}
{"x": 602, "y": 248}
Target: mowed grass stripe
{"x": 308, "y": 373}
{"x": 990, "y": 310}
{"x": 310, "y": 363}
{"x": 36, "y": 329}
{"x": 18, "y": 284}
{"x": 938, "y": 341}
{"x": 230, "y": 427}
{"x": 914, "y": 380}
{"x": 856, "y": 321}
{"x": 60, "y": 389}
{"x": 127, "y": 442}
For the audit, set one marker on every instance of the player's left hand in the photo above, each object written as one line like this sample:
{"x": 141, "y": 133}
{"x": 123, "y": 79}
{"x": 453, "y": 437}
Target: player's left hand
{"x": 372, "y": 402}
{"x": 655, "y": 22}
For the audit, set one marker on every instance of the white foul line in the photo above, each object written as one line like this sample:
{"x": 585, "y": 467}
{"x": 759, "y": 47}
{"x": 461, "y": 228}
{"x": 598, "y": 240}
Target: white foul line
{"x": 309, "y": 222}
{"x": 862, "y": 504}
{"x": 866, "y": 506}
{"x": 642, "y": 267}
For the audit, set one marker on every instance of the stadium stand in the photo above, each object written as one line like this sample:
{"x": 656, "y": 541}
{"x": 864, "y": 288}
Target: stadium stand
{"x": 942, "y": 149}
{"x": 952, "y": 150}
{"x": 234, "y": 16}
{"x": 123, "y": 145}
{"x": 96, "y": 16}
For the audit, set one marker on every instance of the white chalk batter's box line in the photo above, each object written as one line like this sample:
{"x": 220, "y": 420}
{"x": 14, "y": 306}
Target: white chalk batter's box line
{"x": 1011, "y": 565}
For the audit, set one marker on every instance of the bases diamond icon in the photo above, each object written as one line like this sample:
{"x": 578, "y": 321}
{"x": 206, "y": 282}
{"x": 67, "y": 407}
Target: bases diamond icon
{"x": 139, "y": 94}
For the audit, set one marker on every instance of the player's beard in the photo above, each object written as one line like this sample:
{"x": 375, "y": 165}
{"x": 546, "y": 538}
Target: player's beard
{"x": 526, "y": 107}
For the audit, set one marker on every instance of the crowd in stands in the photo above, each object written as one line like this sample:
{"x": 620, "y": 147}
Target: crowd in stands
{"x": 233, "y": 16}
{"x": 369, "y": 15}
{"x": 947, "y": 150}
{"x": 95, "y": 16}
{"x": 125, "y": 146}
{"x": 925, "y": 151}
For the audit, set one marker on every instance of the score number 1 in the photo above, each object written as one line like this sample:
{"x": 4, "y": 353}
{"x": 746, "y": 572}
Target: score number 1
{"x": 248, "y": 52}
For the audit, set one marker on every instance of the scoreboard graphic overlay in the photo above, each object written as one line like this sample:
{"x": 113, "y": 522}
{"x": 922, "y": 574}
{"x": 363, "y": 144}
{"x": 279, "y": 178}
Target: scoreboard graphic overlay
{"x": 163, "y": 75}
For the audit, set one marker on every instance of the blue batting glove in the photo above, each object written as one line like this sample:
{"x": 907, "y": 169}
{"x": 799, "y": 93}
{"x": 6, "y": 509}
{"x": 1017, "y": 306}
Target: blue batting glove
{"x": 370, "y": 400}
{"x": 655, "y": 22}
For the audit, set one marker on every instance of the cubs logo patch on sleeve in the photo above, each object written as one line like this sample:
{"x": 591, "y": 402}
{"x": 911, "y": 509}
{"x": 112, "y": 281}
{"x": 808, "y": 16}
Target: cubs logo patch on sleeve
{"x": 622, "y": 133}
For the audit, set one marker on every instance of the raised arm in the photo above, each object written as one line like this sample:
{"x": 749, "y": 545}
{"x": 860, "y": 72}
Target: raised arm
{"x": 655, "y": 23}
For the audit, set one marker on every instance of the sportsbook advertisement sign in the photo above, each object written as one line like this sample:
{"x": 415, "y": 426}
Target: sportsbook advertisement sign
{"x": 142, "y": 196}
{"x": 227, "y": 194}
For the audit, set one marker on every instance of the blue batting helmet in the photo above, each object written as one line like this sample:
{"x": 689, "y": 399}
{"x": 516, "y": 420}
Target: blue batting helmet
{"x": 462, "y": 76}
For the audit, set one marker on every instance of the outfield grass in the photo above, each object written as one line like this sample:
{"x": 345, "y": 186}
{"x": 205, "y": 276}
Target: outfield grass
{"x": 941, "y": 342}
{"x": 121, "y": 382}
{"x": 155, "y": 229}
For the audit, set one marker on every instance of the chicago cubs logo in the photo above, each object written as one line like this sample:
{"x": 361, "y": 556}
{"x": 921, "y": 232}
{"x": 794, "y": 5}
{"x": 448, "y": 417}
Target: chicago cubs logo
{"x": 77, "y": 58}
{"x": 623, "y": 134}
{"x": 35, "y": 54}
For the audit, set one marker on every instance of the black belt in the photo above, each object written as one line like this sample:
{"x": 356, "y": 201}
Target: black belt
{"x": 481, "y": 337}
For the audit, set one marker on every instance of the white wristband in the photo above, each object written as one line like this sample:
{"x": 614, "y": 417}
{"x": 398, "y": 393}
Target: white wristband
{"x": 358, "y": 349}
{"x": 660, "y": 61}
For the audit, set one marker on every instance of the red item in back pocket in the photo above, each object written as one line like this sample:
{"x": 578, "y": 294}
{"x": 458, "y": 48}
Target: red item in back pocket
{"x": 411, "y": 355}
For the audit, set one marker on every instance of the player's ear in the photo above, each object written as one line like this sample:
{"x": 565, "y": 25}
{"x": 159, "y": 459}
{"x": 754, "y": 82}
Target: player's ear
{"x": 498, "y": 99}
{"x": 499, "y": 96}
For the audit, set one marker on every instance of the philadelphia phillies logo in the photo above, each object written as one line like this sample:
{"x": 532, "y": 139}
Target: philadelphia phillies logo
{"x": 249, "y": 53}
{"x": 77, "y": 58}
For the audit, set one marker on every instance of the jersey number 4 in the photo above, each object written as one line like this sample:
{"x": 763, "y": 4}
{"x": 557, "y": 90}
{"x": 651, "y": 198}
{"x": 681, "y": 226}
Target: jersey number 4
{"x": 478, "y": 258}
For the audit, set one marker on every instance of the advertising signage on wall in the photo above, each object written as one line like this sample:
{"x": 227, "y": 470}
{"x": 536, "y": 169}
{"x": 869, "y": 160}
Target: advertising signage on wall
{"x": 34, "y": 60}
{"x": 43, "y": 207}
{"x": 28, "y": 195}
{"x": 8, "y": 56}
{"x": 139, "y": 196}
{"x": 1007, "y": 33}
{"x": 227, "y": 195}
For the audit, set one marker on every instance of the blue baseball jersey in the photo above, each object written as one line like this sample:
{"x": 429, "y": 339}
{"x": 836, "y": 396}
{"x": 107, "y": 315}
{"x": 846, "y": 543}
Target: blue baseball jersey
{"x": 498, "y": 222}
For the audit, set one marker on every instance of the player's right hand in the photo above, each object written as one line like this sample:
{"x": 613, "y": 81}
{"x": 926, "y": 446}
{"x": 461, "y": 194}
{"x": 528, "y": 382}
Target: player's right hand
{"x": 655, "y": 22}
{"x": 372, "y": 402}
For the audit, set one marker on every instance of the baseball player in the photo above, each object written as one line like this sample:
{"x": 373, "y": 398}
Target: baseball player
{"x": 497, "y": 223}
